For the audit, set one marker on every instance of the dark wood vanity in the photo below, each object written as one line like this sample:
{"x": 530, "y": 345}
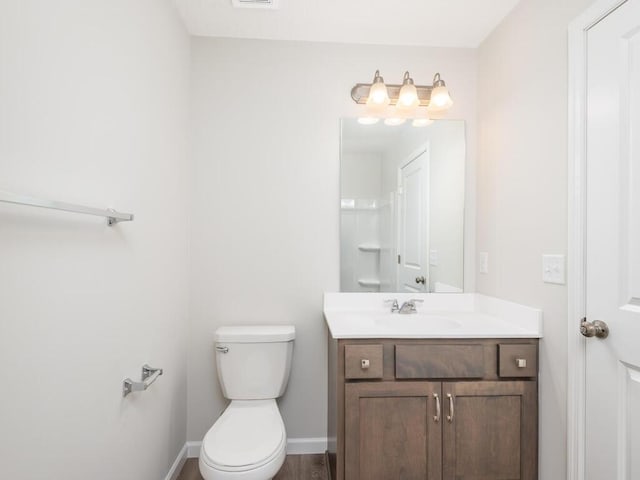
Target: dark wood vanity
{"x": 445, "y": 409}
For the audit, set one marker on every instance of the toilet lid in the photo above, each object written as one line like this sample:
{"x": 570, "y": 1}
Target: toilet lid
{"x": 246, "y": 435}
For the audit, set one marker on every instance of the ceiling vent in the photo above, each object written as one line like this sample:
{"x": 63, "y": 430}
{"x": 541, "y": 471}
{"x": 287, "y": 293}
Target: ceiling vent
{"x": 267, "y": 4}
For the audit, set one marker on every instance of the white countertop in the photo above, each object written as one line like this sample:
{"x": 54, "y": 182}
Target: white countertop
{"x": 441, "y": 315}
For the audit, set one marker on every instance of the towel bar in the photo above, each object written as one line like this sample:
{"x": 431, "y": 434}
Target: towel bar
{"x": 112, "y": 216}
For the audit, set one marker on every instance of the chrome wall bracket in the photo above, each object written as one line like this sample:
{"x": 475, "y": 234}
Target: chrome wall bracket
{"x": 149, "y": 375}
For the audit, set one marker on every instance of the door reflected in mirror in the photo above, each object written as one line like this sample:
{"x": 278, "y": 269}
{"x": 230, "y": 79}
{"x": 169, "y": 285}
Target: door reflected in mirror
{"x": 402, "y": 207}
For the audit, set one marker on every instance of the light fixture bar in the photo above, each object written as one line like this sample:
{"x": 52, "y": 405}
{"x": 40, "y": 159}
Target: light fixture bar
{"x": 360, "y": 93}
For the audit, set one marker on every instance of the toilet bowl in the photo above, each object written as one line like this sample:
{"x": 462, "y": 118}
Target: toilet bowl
{"x": 248, "y": 441}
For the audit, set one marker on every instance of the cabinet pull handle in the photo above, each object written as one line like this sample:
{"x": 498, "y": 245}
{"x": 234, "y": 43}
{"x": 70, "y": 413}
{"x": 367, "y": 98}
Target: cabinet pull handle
{"x": 436, "y": 418}
{"x": 451, "y": 411}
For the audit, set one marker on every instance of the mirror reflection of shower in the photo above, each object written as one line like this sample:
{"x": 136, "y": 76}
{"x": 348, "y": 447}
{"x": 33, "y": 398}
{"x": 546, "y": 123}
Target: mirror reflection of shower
{"x": 402, "y": 207}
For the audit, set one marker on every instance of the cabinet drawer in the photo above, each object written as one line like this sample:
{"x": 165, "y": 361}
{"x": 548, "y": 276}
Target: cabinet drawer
{"x": 440, "y": 361}
{"x": 363, "y": 361}
{"x": 518, "y": 360}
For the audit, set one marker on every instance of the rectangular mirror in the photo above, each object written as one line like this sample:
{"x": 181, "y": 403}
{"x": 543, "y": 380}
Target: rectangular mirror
{"x": 402, "y": 207}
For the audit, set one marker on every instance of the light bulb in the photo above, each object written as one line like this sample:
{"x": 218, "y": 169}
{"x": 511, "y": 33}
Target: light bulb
{"x": 368, "y": 120}
{"x": 408, "y": 97}
{"x": 421, "y": 122}
{"x": 440, "y": 98}
{"x": 394, "y": 121}
{"x": 378, "y": 96}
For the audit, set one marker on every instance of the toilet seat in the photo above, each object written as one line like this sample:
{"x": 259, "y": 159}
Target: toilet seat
{"x": 248, "y": 435}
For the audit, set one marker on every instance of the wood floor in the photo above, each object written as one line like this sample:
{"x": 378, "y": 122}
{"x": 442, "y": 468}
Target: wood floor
{"x": 296, "y": 467}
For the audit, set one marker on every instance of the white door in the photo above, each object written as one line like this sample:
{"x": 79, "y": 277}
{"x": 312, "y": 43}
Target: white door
{"x": 413, "y": 231}
{"x": 613, "y": 245}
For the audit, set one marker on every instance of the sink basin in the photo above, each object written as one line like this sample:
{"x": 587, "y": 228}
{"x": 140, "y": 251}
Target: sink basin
{"x": 415, "y": 322}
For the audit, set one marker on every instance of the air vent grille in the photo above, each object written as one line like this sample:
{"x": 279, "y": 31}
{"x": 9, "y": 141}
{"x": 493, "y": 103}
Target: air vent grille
{"x": 270, "y": 4}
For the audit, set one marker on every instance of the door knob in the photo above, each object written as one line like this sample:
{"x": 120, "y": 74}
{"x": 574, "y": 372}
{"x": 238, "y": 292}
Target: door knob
{"x": 597, "y": 328}
{"x": 421, "y": 280}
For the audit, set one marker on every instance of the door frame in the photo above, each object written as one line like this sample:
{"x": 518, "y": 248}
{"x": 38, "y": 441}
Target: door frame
{"x": 577, "y": 116}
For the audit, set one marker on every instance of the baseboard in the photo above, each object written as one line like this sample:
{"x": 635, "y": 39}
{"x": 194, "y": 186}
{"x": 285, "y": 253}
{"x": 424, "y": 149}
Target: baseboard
{"x": 176, "y": 468}
{"x": 295, "y": 446}
{"x": 193, "y": 449}
{"x": 303, "y": 446}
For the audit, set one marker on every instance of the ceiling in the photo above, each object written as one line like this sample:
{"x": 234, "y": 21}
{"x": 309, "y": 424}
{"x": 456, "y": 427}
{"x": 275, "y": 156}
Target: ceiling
{"x": 435, "y": 23}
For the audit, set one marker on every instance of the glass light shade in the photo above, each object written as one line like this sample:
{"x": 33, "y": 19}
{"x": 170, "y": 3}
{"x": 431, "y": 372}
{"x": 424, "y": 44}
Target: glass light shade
{"x": 378, "y": 96}
{"x": 394, "y": 121}
{"x": 440, "y": 98}
{"x": 368, "y": 120}
{"x": 408, "y": 97}
{"x": 422, "y": 122}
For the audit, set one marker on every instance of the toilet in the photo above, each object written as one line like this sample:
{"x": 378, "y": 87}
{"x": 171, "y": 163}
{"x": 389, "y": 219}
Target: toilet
{"x": 249, "y": 441}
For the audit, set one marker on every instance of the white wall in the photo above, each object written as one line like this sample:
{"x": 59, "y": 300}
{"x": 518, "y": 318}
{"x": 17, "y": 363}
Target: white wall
{"x": 446, "y": 203}
{"x": 522, "y": 186}
{"x": 93, "y": 110}
{"x": 265, "y": 242}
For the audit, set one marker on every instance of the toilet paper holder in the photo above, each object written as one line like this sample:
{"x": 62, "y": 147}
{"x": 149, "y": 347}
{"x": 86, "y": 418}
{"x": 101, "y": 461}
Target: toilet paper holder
{"x": 149, "y": 375}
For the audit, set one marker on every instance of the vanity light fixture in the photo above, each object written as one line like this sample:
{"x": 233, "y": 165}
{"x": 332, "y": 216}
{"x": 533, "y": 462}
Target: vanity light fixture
{"x": 368, "y": 120}
{"x": 408, "y": 96}
{"x": 394, "y": 121}
{"x": 422, "y": 122}
{"x": 440, "y": 98}
{"x": 378, "y": 96}
{"x": 397, "y": 103}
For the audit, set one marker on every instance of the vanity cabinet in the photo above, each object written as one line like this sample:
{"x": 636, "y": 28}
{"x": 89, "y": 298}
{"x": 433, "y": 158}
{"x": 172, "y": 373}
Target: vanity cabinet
{"x": 390, "y": 432}
{"x": 451, "y": 409}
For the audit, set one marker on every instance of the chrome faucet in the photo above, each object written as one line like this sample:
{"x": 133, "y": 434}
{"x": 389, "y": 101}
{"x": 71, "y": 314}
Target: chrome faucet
{"x": 394, "y": 304}
{"x": 409, "y": 306}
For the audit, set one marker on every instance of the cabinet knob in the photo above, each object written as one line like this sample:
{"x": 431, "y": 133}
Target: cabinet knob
{"x": 521, "y": 362}
{"x": 364, "y": 363}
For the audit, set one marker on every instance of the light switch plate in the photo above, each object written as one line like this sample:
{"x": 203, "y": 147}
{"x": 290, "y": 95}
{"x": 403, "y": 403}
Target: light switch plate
{"x": 484, "y": 262}
{"x": 433, "y": 258}
{"x": 553, "y": 269}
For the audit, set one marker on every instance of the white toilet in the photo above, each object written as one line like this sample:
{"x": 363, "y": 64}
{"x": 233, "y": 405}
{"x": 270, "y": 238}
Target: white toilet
{"x": 249, "y": 441}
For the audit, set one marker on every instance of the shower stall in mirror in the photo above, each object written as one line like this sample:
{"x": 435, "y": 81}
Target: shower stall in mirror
{"x": 402, "y": 207}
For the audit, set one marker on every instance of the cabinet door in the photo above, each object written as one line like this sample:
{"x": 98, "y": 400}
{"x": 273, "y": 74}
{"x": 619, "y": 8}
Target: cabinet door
{"x": 490, "y": 430}
{"x": 392, "y": 430}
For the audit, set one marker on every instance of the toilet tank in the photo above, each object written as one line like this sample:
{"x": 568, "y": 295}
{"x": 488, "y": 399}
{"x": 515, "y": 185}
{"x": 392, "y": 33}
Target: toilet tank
{"x": 254, "y": 362}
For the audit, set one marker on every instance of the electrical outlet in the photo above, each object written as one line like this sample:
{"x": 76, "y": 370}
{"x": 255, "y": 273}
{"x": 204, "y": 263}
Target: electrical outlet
{"x": 553, "y": 269}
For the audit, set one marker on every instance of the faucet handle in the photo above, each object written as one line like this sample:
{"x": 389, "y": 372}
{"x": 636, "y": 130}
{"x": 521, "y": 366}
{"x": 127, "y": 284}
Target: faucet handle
{"x": 414, "y": 300}
{"x": 394, "y": 304}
